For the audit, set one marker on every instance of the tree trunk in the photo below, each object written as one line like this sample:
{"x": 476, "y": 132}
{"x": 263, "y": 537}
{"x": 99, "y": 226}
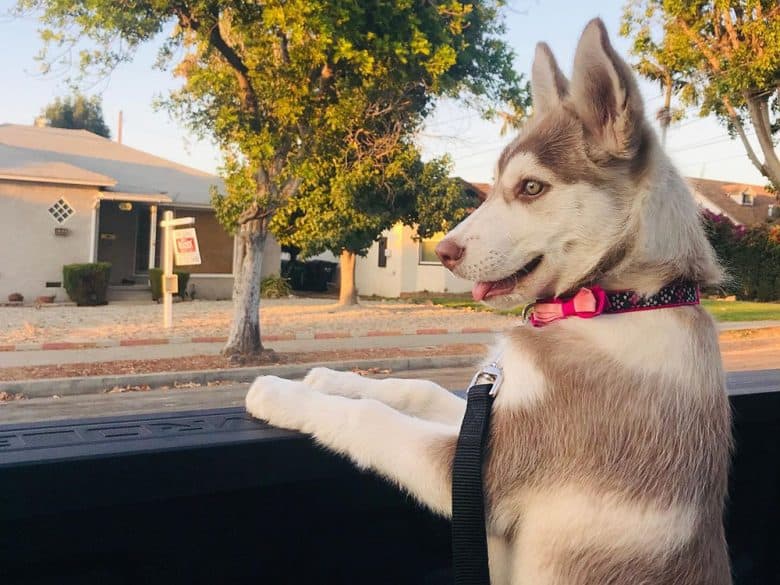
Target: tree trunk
{"x": 347, "y": 290}
{"x": 740, "y": 129}
{"x": 759, "y": 116}
{"x": 244, "y": 337}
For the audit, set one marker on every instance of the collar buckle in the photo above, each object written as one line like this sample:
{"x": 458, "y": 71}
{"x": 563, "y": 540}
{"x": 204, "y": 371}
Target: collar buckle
{"x": 489, "y": 374}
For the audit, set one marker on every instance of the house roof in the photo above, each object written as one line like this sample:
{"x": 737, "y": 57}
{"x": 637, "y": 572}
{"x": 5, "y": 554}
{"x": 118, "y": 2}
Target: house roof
{"x": 720, "y": 193}
{"x": 50, "y": 172}
{"x": 80, "y": 157}
{"x": 480, "y": 190}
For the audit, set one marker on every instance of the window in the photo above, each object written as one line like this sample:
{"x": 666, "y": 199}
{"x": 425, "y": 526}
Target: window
{"x": 381, "y": 260}
{"x": 747, "y": 198}
{"x": 61, "y": 210}
{"x": 428, "y": 251}
{"x": 216, "y": 244}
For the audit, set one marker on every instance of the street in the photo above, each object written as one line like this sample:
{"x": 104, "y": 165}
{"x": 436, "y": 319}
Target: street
{"x": 99, "y": 405}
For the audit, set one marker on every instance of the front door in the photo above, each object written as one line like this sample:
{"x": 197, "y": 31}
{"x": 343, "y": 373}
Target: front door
{"x": 124, "y": 240}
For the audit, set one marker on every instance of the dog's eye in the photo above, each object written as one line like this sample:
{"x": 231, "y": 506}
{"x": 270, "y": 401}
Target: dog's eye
{"x": 531, "y": 188}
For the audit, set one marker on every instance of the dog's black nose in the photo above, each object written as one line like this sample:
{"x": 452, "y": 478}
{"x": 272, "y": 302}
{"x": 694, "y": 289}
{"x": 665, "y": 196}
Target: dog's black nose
{"x": 449, "y": 253}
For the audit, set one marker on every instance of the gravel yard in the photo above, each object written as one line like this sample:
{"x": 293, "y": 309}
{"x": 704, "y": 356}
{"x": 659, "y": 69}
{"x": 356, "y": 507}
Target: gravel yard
{"x": 212, "y": 319}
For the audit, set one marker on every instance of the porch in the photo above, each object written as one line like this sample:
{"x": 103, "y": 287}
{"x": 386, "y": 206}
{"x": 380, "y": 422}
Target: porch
{"x": 127, "y": 234}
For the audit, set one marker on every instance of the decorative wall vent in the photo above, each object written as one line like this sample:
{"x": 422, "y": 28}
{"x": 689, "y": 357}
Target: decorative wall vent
{"x": 61, "y": 211}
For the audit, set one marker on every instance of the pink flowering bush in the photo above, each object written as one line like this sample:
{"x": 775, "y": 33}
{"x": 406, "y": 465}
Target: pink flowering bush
{"x": 751, "y": 256}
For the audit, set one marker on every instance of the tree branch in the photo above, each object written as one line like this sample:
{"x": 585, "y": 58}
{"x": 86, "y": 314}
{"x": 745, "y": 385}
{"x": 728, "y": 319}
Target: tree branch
{"x": 697, "y": 40}
{"x": 247, "y": 93}
{"x": 733, "y": 36}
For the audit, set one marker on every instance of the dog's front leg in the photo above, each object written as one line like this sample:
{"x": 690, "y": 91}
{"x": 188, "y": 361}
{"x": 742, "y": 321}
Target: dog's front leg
{"x": 414, "y": 453}
{"x": 419, "y": 398}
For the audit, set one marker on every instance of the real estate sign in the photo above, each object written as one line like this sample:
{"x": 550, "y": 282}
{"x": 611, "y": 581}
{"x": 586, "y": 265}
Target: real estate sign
{"x": 185, "y": 247}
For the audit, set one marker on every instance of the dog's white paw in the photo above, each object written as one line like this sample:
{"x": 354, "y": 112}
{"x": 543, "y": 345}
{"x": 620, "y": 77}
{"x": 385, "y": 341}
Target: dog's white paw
{"x": 278, "y": 401}
{"x": 333, "y": 382}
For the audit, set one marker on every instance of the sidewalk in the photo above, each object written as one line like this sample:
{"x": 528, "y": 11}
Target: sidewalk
{"x": 182, "y": 349}
{"x": 733, "y": 325}
{"x": 26, "y": 328}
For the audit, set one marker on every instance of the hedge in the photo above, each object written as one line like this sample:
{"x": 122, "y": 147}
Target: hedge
{"x": 751, "y": 257}
{"x": 155, "y": 281}
{"x": 87, "y": 284}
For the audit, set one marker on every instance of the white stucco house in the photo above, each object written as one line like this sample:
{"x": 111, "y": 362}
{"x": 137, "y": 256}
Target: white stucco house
{"x": 399, "y": 263}
{"x": 70, "y": 196}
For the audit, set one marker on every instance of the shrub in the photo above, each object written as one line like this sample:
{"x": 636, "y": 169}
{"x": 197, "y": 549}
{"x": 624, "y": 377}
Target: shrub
{"x": 87, "y": 284}
{"x": 155, "y": 281}
{"x": 274, "y": 287}
{"x": 15, "y": 297}
{"x": 751, "y": 257}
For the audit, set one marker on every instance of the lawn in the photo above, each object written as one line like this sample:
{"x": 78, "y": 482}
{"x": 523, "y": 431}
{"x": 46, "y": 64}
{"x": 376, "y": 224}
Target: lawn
{"x": 742, "y": 310}
{"x": 721, "y": 310}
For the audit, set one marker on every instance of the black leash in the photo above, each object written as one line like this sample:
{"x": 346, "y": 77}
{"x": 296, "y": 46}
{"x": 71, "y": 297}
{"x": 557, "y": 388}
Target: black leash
{"x": 469, "y": 536}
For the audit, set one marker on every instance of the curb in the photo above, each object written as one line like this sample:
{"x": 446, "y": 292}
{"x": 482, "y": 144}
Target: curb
{"x": 298, "y": 336}
{"x": 97, "y": 384}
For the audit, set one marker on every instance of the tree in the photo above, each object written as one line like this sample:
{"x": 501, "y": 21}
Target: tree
{"x": 722, "y": 56}
{"x": 77, "y": 112}
{"x": 346, "y": 209}
{"x": 273, "y": 81}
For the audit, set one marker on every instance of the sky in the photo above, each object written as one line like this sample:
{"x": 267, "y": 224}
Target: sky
{"x": 699, "y": 146}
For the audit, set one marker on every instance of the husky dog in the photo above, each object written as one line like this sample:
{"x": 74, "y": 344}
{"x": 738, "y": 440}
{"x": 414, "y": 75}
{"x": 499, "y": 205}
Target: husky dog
{"x": 610, "y": 437}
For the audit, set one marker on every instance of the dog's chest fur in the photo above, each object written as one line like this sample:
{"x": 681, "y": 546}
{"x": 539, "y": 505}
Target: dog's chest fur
{"x": 609, "y": 448}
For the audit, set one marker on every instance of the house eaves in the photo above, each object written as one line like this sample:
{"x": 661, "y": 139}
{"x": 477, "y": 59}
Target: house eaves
{"x": 56, "y": 173}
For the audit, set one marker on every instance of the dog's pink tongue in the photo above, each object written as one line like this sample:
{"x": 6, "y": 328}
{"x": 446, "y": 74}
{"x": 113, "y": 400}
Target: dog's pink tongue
{"x": 481, "y": 289}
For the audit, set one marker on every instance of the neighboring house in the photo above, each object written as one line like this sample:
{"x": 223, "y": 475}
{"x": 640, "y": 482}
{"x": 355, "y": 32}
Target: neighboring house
{"x": 71, "y": 196}
{"x": 400, "y": 263}
{"x": 743, "y": 204}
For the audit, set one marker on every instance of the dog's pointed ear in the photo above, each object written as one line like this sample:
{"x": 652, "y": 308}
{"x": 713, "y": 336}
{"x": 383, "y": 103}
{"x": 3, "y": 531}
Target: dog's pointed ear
{"x": 605, "y": 94}
{"x": 548, "y": 84}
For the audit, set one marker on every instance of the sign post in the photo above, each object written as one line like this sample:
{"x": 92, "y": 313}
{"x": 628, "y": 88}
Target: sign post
{"x": 185, "y": 247}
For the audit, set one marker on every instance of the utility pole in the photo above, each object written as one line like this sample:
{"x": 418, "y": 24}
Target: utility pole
{"x": 119, "y": 128}
{"x": 664, "y": 114}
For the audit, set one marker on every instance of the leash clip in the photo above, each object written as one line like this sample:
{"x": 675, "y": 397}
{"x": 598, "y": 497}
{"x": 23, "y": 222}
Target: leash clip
{"x": 489, "y": 374}
{"x": 527, "y": 311}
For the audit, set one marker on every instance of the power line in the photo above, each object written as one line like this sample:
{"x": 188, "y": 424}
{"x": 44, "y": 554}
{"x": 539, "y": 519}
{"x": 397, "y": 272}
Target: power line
{"x": 481, "y": 152}
{"x": 708, "y": 142}
{"x": 691, "y": 121}
{"x": 468, "y": 116}
{"x": 733, "y": 156}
